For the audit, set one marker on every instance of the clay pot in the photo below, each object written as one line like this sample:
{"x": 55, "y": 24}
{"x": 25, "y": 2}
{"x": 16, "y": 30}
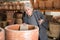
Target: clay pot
{"x": 19, "y": 21}
{"x": 32, "y": 2}
{"x": 42, "y": 4}
{"x": 50, "y": 0}
{"x": 10, "y": 14}
{"x": 13, "y": 32}
{"x": 5, "y": 5}
{"x": 2, "y": 35}
{"x": 3, "y": 24}
{"x": 56, "y": 4}
{"x": 10, "y": 21}
{"x": 48, "y": 4}
{"x": 14, "y": 6}
{"x": 18, "y": 5}
{"x": 19, "y": 15}
{"x": 35, "y": 5}
{"x": 22, "y": 6}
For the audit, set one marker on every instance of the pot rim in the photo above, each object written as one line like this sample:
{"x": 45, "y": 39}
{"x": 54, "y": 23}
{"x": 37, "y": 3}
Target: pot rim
{"x": 6, "y": 28}
{"x": 1, "y": 29}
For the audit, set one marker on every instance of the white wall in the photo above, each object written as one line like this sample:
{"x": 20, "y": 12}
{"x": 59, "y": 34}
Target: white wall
{"x": 24, "y": 1}
{"x": 53, "y": 13}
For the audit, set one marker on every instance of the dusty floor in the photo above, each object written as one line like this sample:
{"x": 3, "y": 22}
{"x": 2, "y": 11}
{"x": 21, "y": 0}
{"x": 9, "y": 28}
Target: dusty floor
{"x": 52, "y": 39}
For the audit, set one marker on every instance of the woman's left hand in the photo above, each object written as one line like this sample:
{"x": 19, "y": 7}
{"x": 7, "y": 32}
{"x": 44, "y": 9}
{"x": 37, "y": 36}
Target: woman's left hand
{"x": 40, "y": 21}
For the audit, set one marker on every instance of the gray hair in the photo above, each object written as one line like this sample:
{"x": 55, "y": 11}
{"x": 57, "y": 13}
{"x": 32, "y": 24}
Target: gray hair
{"x": 28, "y": 4}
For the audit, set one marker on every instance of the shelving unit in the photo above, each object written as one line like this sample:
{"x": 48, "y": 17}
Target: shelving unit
{"x": 46, "y": 5}
{"x": 9, "y": 9}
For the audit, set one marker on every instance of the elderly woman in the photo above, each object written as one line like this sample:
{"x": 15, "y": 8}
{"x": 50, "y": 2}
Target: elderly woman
{"x": 35, "y": 17}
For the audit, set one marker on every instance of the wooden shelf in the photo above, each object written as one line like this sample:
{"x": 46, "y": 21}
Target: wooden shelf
{"x": 12, "y": 9}
{"x": 54, "y": 10}
{"x": 46, "y": 4}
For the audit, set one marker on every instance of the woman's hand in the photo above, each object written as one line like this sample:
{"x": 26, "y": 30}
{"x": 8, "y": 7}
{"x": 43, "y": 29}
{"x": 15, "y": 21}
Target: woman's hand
{"x": 40, "y": 21}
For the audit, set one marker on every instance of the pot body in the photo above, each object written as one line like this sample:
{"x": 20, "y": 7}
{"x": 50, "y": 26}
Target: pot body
{"x": 2, "y": 34}
{"x": 13, "y": 33}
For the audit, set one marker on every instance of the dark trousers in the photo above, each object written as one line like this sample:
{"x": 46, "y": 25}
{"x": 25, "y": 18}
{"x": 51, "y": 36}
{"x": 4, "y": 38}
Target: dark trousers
{"x": 43, "y": 34}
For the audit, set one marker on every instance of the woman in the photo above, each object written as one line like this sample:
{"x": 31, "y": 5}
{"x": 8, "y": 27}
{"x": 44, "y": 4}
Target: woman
{"x": 34, "y": 17}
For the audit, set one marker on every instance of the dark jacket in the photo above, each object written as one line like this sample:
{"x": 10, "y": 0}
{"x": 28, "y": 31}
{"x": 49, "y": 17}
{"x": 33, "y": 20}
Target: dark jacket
{"x": 38, "y": 15}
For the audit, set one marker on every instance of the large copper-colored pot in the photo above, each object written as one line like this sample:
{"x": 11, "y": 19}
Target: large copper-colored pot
{"x": 13, "y": 32}
{"x": 2, "y": 34}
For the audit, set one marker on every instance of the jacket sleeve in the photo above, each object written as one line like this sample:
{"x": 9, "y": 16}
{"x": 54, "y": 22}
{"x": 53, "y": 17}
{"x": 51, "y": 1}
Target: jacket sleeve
{"x": 40, "y": 15}
{"x": 24, "y": 20}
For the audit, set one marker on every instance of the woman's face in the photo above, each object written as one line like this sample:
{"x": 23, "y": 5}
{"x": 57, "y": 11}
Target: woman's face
{"x": 28, "y": 11}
